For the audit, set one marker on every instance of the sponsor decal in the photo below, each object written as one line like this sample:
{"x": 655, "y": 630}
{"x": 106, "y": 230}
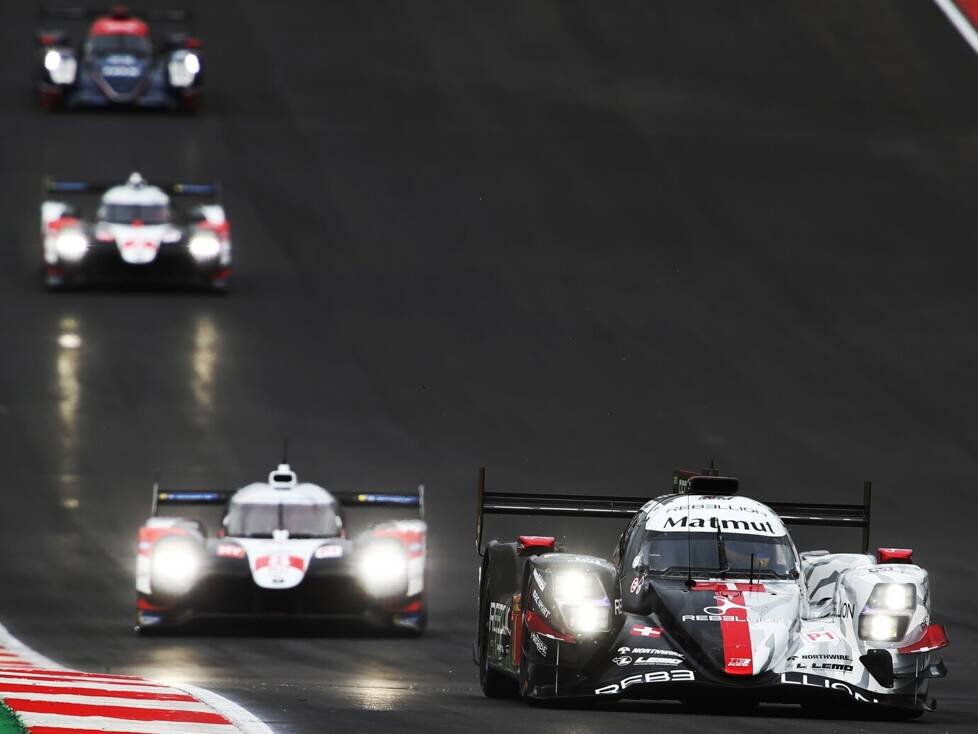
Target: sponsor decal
{"x": 657, "y": 661}
{"x": 710, "y": 618}
{"x": 544, "y": 610}
{"x": 329, "y": 551}
{"x": 538, "y": 577}
{"x": 714, "y": 506}
{"x": 739, "y": 663}
{"x": 642, "y": 631}
{"x": 648, "y": 651}
{"x": 636, "y": 583}
{"x": 847, "y": 610}
{"x": 498, "y": 618}
{"x": 229, "y": 550}
{"x": 823, "y": 636}
{"x": 734, "y": 525}
{"x": 622, "y": 660}
{"x": 539, "y": 644}
{"x": 617, "y": 607}
{"x": 280, "y": 561}
{"x": 122, "y": 71}
{"x": 821, "y": 656}
{"x": 658, "y": 676}
{"x": 803, "y": 679}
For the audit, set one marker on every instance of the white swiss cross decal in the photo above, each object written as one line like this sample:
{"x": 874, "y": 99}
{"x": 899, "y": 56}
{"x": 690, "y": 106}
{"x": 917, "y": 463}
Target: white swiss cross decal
{"x": 646, "y": 631}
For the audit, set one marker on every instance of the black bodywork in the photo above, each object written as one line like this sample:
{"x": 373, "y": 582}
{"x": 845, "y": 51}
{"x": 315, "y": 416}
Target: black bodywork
{"x": 145, "y": 81}
{"x": 522, "y": 647}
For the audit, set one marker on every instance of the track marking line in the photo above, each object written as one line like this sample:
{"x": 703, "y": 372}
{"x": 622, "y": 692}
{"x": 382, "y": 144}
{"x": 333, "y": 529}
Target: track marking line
{"x": 50, "y": 699}
{"x": 96, "y": 723}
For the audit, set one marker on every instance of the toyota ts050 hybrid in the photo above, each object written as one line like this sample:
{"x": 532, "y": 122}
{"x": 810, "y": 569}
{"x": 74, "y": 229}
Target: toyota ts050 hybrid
{"x": 707, "y": 601}
{"x": 134, "y": 233}
{"x": 118, "y": 63}
{"x": 282, "y": 549}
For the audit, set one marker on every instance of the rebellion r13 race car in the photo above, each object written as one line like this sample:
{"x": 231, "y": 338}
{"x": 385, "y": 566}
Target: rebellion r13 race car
{"x": 707, "y": 601}
{"x": 118, "y": 64}
{"x": 282, "y": 550}
{"x": 135, "y": 234}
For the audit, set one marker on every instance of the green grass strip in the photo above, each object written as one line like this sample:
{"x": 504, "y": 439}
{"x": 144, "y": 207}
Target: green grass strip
{"x": 9, "y": 722}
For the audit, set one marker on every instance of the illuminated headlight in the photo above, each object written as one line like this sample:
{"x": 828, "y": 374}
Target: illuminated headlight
{"x": 192, "y": 63}
{"x": 184, "y": 67}
{"x": 71, "y": 245}
{"x": 576, "y": 586}
{"x": 882, "y": 627}
{"x": 52, "y": 60}
{"x": 175, "y": 565}
{"x": 383, "y": 569}
{"x": 585, "y": 620}
{"x": 61, "y": 67}
{"x": 893, "y": 597}
{"x": 204, "y": 246}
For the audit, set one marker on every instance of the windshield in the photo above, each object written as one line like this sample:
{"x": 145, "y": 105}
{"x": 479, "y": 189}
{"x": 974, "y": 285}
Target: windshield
{"x": 128, "y": 213}
{"x": 726, "y": 554}
{"x": 302, "y": 521}
{"x": 120, "y": 44}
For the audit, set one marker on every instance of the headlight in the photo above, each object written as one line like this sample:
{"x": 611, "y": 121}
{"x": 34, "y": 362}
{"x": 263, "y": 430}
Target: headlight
{"x": 183, "y": 67}
{"x": 175, "y": 565}
{"x": 62, "y": 68}
{"x": 383, "y": 569}
{"x": 587, "y": 619}
{"x": 52, "y": 60}
{"x": 204, "y": 246}
{"x": 574, "y": 586}
{"x": 882, "y": 627}
{"x": 582, "y": 601}
{"x": 71, "y": 245}
{"x": 192, "y": 63}
{"x": 893, "y": 597}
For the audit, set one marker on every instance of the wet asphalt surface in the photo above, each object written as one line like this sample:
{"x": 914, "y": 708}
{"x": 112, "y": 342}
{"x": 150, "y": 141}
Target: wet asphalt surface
{"x": 581, "y": 243}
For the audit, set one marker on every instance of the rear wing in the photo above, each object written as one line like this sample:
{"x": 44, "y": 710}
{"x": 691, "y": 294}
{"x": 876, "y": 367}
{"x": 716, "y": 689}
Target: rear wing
{"x": 572, "y": 505}
{"x": 162, "y": 15}
{"x": 383, "y": 499}
{"x": 187, "y": 497}
{"x": 829, "y": 515}
{"x": 173, "y": 188}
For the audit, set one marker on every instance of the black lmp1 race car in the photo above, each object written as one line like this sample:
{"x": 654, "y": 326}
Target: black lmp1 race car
{"x": 134, "y": 234}
{"x": 706, "y": 601}
{"x": 118, "y": 63}
{"x": 282, "y": 550}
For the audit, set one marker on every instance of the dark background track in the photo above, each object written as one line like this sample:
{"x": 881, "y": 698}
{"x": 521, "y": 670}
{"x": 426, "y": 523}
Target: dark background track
{"x": 580, "y": 242}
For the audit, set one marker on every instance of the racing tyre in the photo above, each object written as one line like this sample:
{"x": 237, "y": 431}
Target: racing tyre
{"x": 494, "y": 684}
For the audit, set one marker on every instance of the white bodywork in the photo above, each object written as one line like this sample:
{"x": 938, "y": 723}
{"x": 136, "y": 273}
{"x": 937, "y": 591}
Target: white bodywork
{"x": 137, "y": 243}
{"x": 809, "y": 625}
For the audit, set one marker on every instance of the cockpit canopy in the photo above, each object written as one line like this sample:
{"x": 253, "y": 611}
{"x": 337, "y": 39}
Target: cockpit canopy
{"x": 712, "y": 554}
{"x": 302, "y": 520}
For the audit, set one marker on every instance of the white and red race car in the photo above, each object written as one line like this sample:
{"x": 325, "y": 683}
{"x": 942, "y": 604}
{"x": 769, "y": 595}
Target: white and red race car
{"x": 282, "y": 549}
{"x": 135, "y": 233}
{"x": 706, "y": 600}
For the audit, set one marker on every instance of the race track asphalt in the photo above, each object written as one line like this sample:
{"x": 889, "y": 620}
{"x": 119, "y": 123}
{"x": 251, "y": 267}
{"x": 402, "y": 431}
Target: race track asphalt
{"x": 582, "y": 243}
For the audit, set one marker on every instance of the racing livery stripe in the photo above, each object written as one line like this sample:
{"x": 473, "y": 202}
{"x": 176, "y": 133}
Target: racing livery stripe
{"x": 24, "y": 706}
{"x": 738, "y": 655}
{"x": 68, "y": 690}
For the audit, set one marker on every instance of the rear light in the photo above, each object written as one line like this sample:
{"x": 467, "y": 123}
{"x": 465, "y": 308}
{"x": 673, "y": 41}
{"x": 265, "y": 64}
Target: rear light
{"x": 894, "y": 555}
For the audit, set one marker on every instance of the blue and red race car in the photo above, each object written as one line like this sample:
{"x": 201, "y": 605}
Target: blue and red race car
{"x": 118, "y": 63}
